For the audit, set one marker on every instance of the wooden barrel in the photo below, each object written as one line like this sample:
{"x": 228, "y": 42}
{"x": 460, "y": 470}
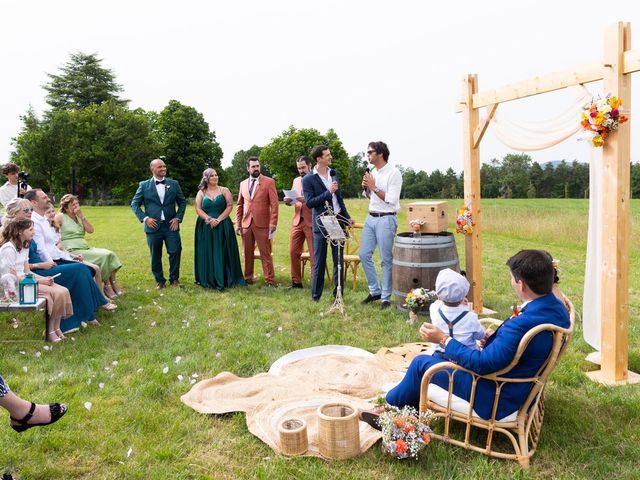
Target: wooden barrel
{"x": 418, "y": 259}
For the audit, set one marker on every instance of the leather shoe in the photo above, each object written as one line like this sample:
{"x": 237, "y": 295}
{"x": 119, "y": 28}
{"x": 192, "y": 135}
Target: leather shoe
{"x": 176, "y": 283}
{"x": 270, "y": 285}
{"x": 160, "y": 286}
{"x": 295, "y": 285}
{"x": 385, "y": 304}
{"x": 370, "y": 298}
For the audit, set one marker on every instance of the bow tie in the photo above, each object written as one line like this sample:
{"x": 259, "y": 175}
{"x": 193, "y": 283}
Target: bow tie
{"x": 160, "y": 182}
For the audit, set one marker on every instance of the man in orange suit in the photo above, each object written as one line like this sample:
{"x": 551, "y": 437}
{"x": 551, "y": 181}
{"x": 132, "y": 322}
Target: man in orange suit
{"x": 301, "y": 227}
{"x": 256, "y": 220}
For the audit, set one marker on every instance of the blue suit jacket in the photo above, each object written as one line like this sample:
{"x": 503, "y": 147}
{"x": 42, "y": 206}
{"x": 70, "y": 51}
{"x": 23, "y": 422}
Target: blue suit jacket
{"x": 499, "y": 352}
{"x": 147, "y": 196}
{"x": 316, "y": 194}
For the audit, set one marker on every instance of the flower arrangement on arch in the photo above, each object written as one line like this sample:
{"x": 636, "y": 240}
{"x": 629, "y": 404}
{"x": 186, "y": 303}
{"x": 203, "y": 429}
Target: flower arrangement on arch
{"x": 464, "y": 222}
{"x": 416, "y": 224}
{"x": 405, "y": 431}
{"x": 601, "y": 117}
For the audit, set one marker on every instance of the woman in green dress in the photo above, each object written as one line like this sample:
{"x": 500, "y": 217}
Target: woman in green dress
{"x": 217, "y": 261}
{"x": 73, "y": 225}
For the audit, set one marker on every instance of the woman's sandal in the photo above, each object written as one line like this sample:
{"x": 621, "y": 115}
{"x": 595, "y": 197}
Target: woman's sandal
{"x": 57, "y": 411}
{"x": 56, "y": 337}
{"x": 109, "y": 306}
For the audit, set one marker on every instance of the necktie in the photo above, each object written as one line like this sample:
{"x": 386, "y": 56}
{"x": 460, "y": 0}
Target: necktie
{"x": 253, "y": 184}
{"x": 158, "y": 182}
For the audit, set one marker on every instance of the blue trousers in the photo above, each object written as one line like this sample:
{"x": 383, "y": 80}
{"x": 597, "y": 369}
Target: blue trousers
{"x": 407, "y": 392}
{"x": 379, "y": 231}
{"x": 155, "y": 240}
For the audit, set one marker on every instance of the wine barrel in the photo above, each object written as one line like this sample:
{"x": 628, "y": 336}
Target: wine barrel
{"x": 418, "y": 259}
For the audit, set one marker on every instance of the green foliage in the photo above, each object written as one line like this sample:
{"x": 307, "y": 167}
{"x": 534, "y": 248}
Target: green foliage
{"x": 357, "y": 167}
{"x": 189, "y": 147}
{"x": 281, "y": 154}
{"x": 82, "y": 81}
{"x": 237, "y": 171}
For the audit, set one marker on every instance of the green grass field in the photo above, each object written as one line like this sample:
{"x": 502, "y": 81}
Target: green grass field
{"x": 590, "y": 431}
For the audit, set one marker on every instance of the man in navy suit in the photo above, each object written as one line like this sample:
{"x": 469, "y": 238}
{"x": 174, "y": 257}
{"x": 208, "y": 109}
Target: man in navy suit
{"x": 159, "y": 196}
{"x": 321, "y": 189}
{"x": 532, "y": 276}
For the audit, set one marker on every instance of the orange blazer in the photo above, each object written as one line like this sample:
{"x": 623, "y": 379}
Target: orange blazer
{"x": 262, "y": 210}
{"x": 301, "y": 209}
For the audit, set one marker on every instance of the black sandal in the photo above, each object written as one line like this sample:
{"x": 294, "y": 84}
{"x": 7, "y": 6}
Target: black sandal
{"x": 371, "y": 419}
{"x": 57, "y": 411}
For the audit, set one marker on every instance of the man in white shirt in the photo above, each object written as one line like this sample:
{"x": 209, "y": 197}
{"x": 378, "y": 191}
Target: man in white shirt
{"x": 9, "y": 190}
{"x": 382, "y": 187}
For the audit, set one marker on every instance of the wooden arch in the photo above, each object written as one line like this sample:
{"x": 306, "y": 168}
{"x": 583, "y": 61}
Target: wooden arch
{"x": 615, "y": 70}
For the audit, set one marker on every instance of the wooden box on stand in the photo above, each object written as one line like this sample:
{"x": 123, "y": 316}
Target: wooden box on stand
{"x": 435, "y": 215}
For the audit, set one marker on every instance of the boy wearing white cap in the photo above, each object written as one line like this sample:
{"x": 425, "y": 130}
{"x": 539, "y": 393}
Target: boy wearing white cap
{"x": 450, "y": 315}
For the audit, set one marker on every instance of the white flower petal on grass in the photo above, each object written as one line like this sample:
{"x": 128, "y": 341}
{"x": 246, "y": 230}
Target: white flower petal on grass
{"x": 165, "y": 370}
{"x": 162, "y": 294}
{"x": 106, "y": 369}
{"x": 88, "y": 405}
{"x": 218, "y": 354}
{"x": 22, "y": 352}
{"x": 195, "y": 375}
{"x": 128, "y": 329}
{"x": 129, "y": 452}
{"x": 101, "y": 385}
{"x": 83, "y": 324}
{"x": 38, "y": 354}
{"x": 60, "y": 374}
{"x": 114, "y": 363}
{"x": 73, "y": 339}
{"x": 268, "y": 335}
{"x": 25, "y": 369}
{"x": 180, "y": 377}
{"x": 153, "y": 324}
{"x": 192, "y": 381}
{"x": 89, "y": 382}
{"x": 113, "y": 326}
{"x": 46, "y": 347}
{"x": 279, "y": 329}
{"x": 178, "y": 358}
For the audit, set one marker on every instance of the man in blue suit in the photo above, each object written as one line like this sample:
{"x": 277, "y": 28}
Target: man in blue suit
{"x": 532, "y": 277}
{"x": 321, "y": 189}
{"x": 159, "y": 196}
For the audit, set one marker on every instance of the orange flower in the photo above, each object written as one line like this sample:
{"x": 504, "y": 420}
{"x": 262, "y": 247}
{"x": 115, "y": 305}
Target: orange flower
{"x": 426, "y": 438}
{"x": 401, "y": 446}
{"x": 398, "y": 422}
{"x": 409, "y": 428}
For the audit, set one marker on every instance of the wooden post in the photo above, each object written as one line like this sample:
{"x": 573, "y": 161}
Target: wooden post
{"x": 614, "y": 224}
{"x": 473, "y": 242}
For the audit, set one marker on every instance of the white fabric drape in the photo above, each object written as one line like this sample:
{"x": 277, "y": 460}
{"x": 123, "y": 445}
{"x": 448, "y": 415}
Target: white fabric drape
{"x": 537, "y": 135}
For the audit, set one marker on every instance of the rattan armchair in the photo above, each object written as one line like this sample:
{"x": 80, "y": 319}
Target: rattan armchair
{"x": 522, "y": 428}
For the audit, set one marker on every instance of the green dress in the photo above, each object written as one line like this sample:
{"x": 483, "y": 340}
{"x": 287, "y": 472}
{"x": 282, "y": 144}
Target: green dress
{"x": 216, "y": 257}
{"x": 72, "y": 235}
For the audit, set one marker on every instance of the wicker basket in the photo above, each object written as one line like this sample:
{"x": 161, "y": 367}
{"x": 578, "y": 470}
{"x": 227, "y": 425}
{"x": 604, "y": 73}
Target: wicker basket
{"x": 338, "y": 431}
{"x": 293, "y": 436}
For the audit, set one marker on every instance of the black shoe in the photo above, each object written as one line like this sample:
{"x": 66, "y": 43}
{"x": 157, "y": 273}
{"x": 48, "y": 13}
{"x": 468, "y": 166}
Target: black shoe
{"x": 315, "y": 300}
{"x": 371, "y": 418}
{"x": 370, "y": 298}
{"x": 295, "y": 285}
{"x": 385, "y": 304}
{"x": 56, "y": 410}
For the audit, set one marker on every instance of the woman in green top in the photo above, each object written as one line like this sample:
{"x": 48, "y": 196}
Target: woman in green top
{"x": 73, "y": 226}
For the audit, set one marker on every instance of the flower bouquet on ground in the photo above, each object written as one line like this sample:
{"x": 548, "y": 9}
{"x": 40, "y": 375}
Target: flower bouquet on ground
{"x": 416, "y": 224}
{"x": 418, "y": 299}
{"x": 601, "y": 117}
{"x": 404, "y": 431}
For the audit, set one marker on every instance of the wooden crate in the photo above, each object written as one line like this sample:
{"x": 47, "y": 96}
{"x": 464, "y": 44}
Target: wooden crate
{"x": 435, "y": 214}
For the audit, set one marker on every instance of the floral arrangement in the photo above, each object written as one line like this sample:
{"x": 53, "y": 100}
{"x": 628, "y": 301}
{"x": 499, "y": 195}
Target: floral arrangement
{"x": 416, "y": 224}
{"x": 464, "y": 222}
{"x": 404, "y": 431}
{"x": 419, "y": 298}
{"x": 602, "y": 116}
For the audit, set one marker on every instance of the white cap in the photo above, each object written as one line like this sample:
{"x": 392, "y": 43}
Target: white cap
{"x": 451, "y": 287}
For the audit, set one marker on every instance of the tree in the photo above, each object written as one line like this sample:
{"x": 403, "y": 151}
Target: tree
{"x": 237, "y": 171}
{"x": 82, "y": 82}
{"x": 357, "y": 167}
{"x": 188, "y": 145}
{"x": 281, "y": 154}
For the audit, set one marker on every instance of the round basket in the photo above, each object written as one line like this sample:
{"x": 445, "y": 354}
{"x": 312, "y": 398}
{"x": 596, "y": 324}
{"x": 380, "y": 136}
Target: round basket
{"x": 293, "y": 436}
{"x": 338, "y": 431}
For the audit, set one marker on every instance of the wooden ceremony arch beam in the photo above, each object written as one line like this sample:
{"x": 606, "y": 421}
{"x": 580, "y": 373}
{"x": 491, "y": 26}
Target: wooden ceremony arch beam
{"x": 619, "y": 62}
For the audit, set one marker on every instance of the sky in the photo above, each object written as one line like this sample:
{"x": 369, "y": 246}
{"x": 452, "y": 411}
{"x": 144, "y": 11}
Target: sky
{"x": 371, "y": 70}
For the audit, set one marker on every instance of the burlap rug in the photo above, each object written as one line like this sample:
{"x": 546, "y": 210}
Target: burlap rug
{"x": 299, "y": 383}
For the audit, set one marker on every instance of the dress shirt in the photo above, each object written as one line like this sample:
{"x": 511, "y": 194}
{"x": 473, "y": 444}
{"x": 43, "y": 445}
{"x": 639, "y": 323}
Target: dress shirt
{"x": 255, "y": 182}
{"x": 46, "y": 239}
{"x": 327, "y": 183}
{"x": 161, "y": 188}
{"x": 389, "y": 180}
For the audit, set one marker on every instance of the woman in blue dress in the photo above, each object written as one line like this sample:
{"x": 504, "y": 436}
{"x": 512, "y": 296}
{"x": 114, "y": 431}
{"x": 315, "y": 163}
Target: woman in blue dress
{"x": 75, "y": 276}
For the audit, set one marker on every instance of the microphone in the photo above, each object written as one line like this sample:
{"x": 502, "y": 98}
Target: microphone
{"x": 367, "y": 170}
{"x": 332, "y": 173}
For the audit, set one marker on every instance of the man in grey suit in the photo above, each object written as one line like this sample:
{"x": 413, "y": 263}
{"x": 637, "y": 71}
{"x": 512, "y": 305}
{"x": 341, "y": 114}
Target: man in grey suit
{"x": 160, "y": 196}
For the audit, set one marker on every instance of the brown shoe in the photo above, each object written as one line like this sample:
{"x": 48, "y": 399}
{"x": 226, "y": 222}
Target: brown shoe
{"x": 176, "y": 283}
{"x": 160, "y": 286}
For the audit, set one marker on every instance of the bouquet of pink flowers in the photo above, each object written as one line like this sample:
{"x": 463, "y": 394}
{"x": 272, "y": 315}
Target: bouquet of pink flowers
{"x": 405, "y": 431}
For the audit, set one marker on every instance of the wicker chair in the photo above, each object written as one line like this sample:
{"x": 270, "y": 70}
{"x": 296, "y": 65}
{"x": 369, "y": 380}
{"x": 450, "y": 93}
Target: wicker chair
{"x": 523, "y": 427}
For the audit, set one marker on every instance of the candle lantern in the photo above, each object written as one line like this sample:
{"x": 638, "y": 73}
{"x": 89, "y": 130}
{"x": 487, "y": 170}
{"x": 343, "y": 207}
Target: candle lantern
{"x": 28, "y": 290}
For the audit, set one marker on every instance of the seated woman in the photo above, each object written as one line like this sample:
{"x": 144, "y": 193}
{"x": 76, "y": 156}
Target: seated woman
{"x": 14, "y": 255}
{"x": 532, "y": 277}
{"x": 73, "y": 225}
{"x": 24, "y": 414}
{"x": 216, "y": 257}
{"x": 75, "y": 276}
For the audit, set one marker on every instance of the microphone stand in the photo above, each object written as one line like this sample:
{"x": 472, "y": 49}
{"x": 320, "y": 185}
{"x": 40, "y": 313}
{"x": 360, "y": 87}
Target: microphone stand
{"x": 338, "y": 303}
